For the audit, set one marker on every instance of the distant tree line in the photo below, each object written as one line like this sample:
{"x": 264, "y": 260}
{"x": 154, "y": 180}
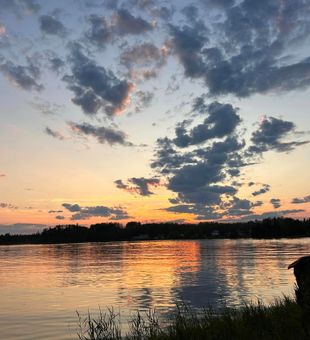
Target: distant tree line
{"x": 103, "y": 232}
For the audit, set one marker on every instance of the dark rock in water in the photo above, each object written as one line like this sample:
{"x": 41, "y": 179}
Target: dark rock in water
{"x": 302, "y": 274}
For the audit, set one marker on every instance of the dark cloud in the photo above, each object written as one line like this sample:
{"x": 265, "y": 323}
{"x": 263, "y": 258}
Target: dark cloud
{"x": 55, "y": 211}
{"x": 4, "y": 38}
{"x": 297, "y": 200}
{"x": 52, "y": 26}
{"x": 140, "y": 186}
{"x": 187, "y": 43}
{"x": 56, "y": 64}
{"x": 276, "y": 202}
{"x": 72, "y": 207}
{"x": 265, "y": 188}
{"x": 222, "y": 120}
{"x": 103, "y": 134}
{"x": 2, "y": 175}
{"x": 242, "y": 56}
{"x": 155, "y": 9}
{"x": 100, "y": 31}
{"x": 145, "y": 54}
{"x": 82, "y": 213}
{"x": 190, "y": 177}
{"x": 167, "y": 159}
{"x": 191, "y": 12}
{"x": 269, "y": 136}
{"x": 203, "y": 177}
{"x": 143, "y": 100}
{"x": 201, "y": 212}
{"x": 59, "y": 217}
{"x": 45, "y": 107}
{"x": 25, "y": 77}
{"x": 95, "y": 87}
{"x": 123, "y": 23}
{"x": 268, "y": 214}
{"x": 218, "y": 3}
{"x": 19, "y": 7}
{"x": 144, "y": 60}
{"x": 7, "y": 206}
{"x": 54, "y": 134}
{"x": 240, "y": 207}
{"x": 111, "y": 4}
{"x": 257, "y": 204}
{"x": 199, "y": 105}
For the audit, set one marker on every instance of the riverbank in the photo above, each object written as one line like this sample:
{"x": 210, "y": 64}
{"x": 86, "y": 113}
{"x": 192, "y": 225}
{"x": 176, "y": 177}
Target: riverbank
{"x": 135, "y": 231}
{"x": 283, "y": 319}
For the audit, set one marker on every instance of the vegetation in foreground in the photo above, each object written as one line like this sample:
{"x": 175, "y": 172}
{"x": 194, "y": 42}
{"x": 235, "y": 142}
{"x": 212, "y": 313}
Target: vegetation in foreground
{"x": 283, "y": 319}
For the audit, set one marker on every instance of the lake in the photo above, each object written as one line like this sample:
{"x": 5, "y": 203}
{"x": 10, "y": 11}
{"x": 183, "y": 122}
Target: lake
{"x": 42, "y": 286}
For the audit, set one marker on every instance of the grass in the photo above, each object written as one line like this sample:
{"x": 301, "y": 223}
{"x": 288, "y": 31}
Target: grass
{"x": 281, "y": 320}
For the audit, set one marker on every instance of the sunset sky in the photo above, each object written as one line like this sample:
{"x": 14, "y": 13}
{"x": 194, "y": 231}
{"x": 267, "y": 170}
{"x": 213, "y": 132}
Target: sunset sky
{"x": 153, "y": 111}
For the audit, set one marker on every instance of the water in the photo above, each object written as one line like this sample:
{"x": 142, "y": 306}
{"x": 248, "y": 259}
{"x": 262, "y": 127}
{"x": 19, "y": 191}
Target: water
{"x": 42, "y": 286}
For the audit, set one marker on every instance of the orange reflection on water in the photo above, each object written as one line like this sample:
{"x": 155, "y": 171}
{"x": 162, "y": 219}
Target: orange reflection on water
{"x": 151, "y": 270}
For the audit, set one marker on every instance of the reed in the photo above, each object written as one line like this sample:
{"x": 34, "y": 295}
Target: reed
{"x": 282, "y": 319}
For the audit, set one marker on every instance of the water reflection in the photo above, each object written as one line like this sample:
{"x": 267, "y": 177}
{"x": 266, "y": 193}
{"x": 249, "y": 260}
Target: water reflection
{"x": 45, "y": 284}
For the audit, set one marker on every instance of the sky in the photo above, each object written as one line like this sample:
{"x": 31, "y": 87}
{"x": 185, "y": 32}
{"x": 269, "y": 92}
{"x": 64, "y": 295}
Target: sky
{"x": 154, "y": 111}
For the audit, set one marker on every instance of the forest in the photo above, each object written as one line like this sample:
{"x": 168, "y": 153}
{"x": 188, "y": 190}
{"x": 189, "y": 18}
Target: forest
{"x": 134, "y": 231}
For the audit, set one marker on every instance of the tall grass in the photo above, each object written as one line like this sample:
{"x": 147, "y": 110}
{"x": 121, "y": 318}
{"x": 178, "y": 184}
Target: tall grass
{"x": 281, "y": 320}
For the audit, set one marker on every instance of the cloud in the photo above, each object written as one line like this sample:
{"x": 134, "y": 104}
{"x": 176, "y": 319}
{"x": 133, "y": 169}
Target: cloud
{"x": 19, "y": 7}
{"x": 4, "y": 39}
{"x": 153, "y": 8}
{"x": 268, "y": 214}
{"x": 45, "y": 107}
{"x": 102, "y": 134}
{"x": 55, "y": 211}
{"x": 72, "y": 207}
{"x": 83, "y": 213}
{"x": 52, "y": 26}
{"x": 202, "y": 212}
{"x": 269, "y": 136}
{"x": 25, "y": 77}
{"x": 191, "y": 12}
{"x": 2, "y": 29}
{"x": 100, "y": 30}
{"x": 95, "y": 87}
{"x": 187, "y": 43}
{"x": 7, "y": 206}
{"x": 123, "y": 23}
{"x": 144, "y": 60}
{"x": 59, "y": 217}
{"x": 54, "y": 134}
{"x": 21, "y": 228}
{"x": 265, "y": 188}
{"x": 144, "y": 54}
{"x": 297, "y": 200}
{"x": 200, "y": 165}
{"x": 143, "y": 100}
{"x": 240, "y": 207}
{"x": 56, "y": 64}
{"x": 276, "y": 202}
{"x": 238, "y": 55}
{"x": 140, "y": 186}
{"x": 2, "y": 175}
{"x": 221, "y": 121}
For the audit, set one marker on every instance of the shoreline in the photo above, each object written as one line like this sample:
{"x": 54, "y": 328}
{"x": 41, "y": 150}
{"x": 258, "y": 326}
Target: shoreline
{"x": 272, "y": 228}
